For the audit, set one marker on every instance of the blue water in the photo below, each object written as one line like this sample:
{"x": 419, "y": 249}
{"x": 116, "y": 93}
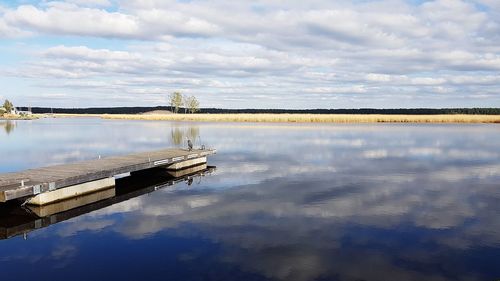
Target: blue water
{"x": 286, "y": 202}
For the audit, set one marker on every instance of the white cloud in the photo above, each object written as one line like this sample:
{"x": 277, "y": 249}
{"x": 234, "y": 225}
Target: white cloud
{"x": 85, "y": 53}
{"x": 376, "y": 77}
{"x": 279, "y": 50}
{"x": 102, "y": 3}
{"x": 169, "y": 22}
{"x": 349, "y": 89}
{"x": 72, "y": 20}
{"x": 427, "y": 81}
{"x": 9, "y": 31}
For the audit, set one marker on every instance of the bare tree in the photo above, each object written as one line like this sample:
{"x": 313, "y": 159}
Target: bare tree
{"x": 185, "y": 103}
{"x": 193, "y": 104}
{"x": 175, "y": 101}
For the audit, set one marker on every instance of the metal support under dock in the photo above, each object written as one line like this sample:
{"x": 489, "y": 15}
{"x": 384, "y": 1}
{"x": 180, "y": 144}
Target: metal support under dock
{"x": 48, "y": 179}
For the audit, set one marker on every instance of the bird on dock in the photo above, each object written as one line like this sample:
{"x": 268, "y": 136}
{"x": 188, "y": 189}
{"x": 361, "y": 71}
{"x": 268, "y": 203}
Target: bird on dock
{"x": 190, "y": 145}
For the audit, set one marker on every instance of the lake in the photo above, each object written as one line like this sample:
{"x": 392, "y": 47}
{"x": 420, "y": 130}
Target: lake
{"x": 284, "y": 202}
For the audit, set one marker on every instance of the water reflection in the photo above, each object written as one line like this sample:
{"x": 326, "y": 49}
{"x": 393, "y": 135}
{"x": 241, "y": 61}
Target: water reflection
{"x": 303, "y": 228}
{"x": 180, "y": 135}
{"x": 8, "y": 126}
{"x": 301, "y": 202}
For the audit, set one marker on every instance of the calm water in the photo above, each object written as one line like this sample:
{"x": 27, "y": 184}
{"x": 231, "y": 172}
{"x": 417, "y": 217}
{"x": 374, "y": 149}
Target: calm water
{"x": 286, "y": 202}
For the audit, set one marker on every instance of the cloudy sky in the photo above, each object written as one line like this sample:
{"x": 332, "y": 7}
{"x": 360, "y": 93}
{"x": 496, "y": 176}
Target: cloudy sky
{"x": 251, "y": 54}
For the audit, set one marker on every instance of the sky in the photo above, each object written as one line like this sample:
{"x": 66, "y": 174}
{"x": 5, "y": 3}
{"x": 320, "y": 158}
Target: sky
{"x": 251, "y": 54}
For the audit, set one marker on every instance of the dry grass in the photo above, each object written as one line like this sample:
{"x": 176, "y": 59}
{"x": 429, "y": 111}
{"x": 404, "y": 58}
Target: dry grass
{"x": 309, "y": 118}
{"x": 17, "y": 117}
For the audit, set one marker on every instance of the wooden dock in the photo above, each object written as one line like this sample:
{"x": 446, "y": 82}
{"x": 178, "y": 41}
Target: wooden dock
{"x": 16, "y": 220}
{"x": 32, "y": 182}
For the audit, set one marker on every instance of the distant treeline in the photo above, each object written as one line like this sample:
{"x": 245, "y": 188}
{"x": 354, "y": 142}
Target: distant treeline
{"x": 406, "y": 111}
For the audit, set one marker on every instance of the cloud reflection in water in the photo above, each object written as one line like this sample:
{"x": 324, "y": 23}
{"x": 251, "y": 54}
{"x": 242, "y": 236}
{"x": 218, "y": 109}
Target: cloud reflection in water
{"x": 326, "y": 202}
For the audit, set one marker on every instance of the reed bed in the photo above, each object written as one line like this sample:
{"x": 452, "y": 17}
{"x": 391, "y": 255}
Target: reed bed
{"x": 312, "y": 118}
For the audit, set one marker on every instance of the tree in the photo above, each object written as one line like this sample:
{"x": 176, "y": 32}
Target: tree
{"x": 192, "y": 104}
{"x": 185, "y": 103}
{"x": 2, "y": 111}
{"x": 8, "y": 106}
{"x": 175, "y": 101}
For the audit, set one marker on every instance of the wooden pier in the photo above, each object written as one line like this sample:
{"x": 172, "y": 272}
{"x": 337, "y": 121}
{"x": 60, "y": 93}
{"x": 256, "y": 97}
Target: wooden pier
{"x": 16, "y": 220}
{"x": 75, "y": 179}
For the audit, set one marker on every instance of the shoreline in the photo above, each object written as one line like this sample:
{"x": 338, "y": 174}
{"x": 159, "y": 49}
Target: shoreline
{"x": 297, "y": 118}
{"x": 18, "y": 118}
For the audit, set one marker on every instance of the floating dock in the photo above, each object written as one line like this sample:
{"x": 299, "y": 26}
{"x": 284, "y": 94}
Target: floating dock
{"x": 18, "y": 220}
{"x": 50, "y": 184}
